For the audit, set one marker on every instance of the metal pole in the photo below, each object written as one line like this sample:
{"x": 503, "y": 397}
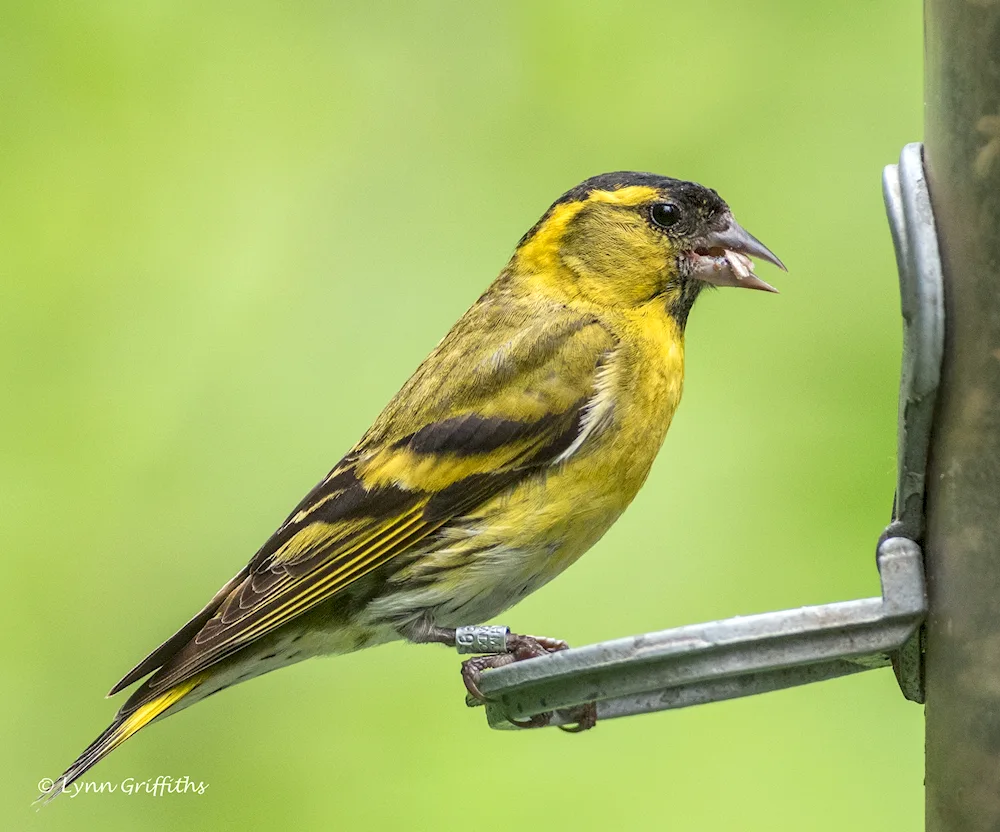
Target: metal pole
{"x": 962, "y": 546}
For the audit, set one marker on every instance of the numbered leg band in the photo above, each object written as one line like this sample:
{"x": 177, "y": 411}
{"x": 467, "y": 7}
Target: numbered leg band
{"x": 481, "y": 638}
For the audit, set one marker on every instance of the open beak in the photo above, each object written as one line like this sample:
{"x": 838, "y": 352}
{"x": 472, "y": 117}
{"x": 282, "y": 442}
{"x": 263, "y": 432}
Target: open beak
{"x": 723, "y": 258}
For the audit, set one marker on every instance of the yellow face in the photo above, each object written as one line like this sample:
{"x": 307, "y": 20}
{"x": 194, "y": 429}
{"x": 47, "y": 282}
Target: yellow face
{"x": 627, "y": 239}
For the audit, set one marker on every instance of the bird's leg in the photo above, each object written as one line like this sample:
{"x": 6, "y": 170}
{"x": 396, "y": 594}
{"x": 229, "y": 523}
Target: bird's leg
{"x": 501, "y": 647}
{"x": 423, "y": 631}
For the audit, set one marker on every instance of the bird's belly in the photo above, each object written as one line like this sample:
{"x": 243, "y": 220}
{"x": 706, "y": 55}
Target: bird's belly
{"x": 511, "y": 546}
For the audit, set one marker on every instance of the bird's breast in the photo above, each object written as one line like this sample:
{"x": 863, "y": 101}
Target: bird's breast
{"x": 572, "y": 503}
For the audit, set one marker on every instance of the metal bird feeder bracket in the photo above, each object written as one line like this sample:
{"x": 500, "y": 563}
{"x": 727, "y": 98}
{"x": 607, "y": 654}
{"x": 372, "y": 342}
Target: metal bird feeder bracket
{"x": 746, "y": 655}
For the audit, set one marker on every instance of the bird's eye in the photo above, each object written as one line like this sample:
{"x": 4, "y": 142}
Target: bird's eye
{"x": 664, "y": 214}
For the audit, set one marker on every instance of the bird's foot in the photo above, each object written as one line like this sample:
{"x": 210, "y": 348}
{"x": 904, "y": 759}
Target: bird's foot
{"x": 519, "y": 648}
{"x": 501, "y": 647}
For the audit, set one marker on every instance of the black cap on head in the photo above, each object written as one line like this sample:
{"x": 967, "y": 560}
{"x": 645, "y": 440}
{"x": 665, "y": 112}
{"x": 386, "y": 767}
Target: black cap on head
{"x": 614, "y": 181}
{"x": 708, "y": 204}
{"x": 679, "y": 189}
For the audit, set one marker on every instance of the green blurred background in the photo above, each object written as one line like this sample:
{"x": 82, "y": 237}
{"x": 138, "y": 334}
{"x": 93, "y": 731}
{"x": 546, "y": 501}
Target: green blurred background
{"x": 228, "y": 236}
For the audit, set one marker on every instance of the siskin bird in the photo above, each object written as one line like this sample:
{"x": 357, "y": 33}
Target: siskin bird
{"x": 509, "y": 452}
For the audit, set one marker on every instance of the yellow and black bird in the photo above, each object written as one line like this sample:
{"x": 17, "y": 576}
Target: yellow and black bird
{"x": 510, "y": 451}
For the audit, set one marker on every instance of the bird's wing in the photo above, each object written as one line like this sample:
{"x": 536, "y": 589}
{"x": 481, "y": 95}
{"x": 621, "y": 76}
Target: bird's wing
{"x": 477, "y": 416}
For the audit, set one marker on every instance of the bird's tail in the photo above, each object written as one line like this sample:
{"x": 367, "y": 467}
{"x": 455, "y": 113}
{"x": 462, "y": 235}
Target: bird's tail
{"x": 123, "y": 727}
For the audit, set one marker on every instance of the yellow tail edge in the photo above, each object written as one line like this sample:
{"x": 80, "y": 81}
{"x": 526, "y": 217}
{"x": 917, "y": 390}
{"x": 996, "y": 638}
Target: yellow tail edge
{"x": 115, "y": 734}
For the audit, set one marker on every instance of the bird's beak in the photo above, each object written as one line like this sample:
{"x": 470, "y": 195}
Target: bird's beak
{"x": 723, "y": 258}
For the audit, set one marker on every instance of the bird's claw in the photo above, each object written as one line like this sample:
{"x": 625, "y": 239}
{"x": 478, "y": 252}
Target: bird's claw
{"x": 519, "y": 648}
{"x": 472, "y": 671}
{"x": 582, "y": 718}
{"x": 536, "y": 721}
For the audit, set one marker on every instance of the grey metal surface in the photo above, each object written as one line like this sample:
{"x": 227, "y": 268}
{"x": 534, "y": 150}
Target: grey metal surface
{"x": 721, "y": 659}
{"x": 962, "y": 157}
{"x": 914, "y": 236}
